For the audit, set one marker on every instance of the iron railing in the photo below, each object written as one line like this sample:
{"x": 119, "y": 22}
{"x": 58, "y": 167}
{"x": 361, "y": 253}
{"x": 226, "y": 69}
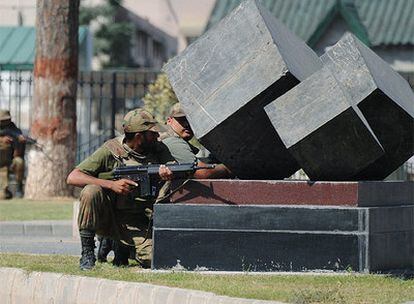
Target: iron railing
{"x": 102, "y": 99}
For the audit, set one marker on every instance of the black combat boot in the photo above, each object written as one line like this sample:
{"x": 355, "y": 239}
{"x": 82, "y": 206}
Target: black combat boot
{"x": 19, "y": 191}
{"x": 121, "y": 252}
{"x": 87, "y": 260}
{"x": 8, "y": 194}
{"x": 105, "y": 247}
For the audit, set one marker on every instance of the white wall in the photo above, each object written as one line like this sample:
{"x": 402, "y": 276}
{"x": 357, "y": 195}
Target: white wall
{"x": 10, "y": 9}
{"x": 401, "y": 58}
{"x": 192, "y": 15}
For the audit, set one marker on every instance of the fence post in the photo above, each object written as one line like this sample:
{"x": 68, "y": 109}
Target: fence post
{"x": 113, "y": 104}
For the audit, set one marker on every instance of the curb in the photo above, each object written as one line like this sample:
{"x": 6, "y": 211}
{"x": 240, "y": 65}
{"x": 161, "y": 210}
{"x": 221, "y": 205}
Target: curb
{"x": 36, "y": 228}
{"x": 19, "y": 286}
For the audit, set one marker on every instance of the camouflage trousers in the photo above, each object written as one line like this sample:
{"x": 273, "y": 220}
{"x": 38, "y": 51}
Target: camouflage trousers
{"x": 17, "y": 167}
{"x": 98, "y": 212}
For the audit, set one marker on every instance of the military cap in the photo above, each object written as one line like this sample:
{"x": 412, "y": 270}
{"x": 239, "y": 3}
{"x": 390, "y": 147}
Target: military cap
{"x": 5, "y": 115}
{"x": 176, "y": 111}
{"x": 139, "y": 120}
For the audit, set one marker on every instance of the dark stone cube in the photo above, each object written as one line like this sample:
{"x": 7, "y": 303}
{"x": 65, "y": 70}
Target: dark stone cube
{"x": 385, "y": 99}
{"x": 325, "y": 133}
{"x": 225, "y": 78}
{"x": 351, "y": 120}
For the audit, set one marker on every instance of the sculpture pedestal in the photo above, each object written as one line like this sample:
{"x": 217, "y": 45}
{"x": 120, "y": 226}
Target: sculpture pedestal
{"x": 236, "y": 225}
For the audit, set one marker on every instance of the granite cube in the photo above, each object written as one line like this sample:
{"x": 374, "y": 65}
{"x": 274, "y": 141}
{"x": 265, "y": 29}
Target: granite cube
{"x": 225, "y": 78}
{"x": 384, "y": 97}
{"x": 324, "y": 131}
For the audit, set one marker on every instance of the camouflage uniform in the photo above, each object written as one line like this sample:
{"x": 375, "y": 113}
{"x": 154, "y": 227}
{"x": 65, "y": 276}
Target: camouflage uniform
{"x": 120, "y": 217}
{"x": 181, "y": 150}
{"x": 11, "y": 156}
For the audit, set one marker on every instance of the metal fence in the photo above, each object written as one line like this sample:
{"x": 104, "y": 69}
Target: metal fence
{"x": 103, "y": 98}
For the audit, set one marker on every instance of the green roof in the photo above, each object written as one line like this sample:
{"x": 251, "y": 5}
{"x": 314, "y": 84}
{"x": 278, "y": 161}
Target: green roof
{"x": 375, "y": 22}
{"x": 387, "y": 22}
{"x": 17, "y": 46}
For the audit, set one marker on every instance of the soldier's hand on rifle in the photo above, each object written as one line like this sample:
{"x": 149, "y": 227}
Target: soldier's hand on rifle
{"x": 21, "y": 139}
{"x": 123, "y": 186}
{"x": 7, "y": 140}
{"x": 165, "y": 173}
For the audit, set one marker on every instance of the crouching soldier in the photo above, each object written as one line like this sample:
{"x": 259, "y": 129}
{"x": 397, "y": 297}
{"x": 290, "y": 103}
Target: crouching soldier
{"x": 115, "y": 208}
{"x": 12, "y": 148}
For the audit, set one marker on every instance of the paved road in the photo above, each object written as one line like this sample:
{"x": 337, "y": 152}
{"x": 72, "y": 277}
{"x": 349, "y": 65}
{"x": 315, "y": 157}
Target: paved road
{"x": 38, "y": 237}
{"x": 39, "y": 245}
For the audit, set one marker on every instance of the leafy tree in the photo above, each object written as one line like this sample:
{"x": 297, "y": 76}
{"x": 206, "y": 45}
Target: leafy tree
{"x": 113, "y": 36}
{"x": 160, "y": 98}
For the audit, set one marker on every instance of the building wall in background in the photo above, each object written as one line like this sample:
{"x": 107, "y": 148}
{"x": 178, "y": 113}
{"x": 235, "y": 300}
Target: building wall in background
{"x": 18, "y": 12}
{"x": 157, "y": 34}
{"x": 192, "y": 16}
{"x": 400, "y": 57}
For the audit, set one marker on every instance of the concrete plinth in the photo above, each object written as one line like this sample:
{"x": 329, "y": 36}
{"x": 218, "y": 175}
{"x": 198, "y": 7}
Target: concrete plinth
{"x": 287, "y": 226}
{"x": 225, "y": 78}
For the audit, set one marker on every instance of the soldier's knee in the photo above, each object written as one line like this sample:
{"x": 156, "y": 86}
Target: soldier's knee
{"x": 17, "y": 166}
{"x": 90, "y": 194}
{"x": 18, "y": 161}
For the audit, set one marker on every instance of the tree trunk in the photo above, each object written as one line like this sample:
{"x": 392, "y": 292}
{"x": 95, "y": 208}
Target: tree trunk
{"x": 54, "y": 99}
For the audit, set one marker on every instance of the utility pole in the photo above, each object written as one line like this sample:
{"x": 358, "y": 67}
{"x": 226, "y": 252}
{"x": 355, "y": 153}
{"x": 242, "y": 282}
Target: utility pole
{"x": 54, "y": 99}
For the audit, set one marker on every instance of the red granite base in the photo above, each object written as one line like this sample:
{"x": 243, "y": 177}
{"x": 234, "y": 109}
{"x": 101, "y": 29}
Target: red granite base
{"x": 256, "y": 192}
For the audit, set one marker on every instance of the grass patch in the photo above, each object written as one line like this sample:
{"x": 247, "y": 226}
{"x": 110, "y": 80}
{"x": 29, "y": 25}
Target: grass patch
{"x": 306, "y": 289}
{"x": 27, "y": 210}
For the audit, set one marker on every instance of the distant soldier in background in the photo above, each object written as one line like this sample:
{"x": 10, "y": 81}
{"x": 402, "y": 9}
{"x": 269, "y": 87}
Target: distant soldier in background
{"x": 12, "y": 148}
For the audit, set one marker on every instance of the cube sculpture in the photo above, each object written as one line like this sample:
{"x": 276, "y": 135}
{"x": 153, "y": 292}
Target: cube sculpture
{"x": 385, "y": 99}
{"x": 228, "y": 75}
{"x": 351, "y": 120}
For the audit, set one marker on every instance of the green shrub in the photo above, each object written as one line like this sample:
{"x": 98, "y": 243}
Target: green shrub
{"x": 160, "y": 98}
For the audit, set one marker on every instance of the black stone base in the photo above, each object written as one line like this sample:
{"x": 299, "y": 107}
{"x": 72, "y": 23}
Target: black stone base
{"x": 283, "y": 238}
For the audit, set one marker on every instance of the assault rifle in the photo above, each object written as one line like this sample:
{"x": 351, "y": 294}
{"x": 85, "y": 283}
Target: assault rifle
{"x": 147, "y": 175}
{"x": 14, "y": 134}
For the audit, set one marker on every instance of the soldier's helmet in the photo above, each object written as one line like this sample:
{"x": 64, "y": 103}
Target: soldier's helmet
{"x": 176, "y": 111}
{"x": 5, "y": 118}
{"x": 5, "y": 115}
{"x": 140, "y": 120}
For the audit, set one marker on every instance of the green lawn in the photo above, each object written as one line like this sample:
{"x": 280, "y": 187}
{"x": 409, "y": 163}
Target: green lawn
{"x": 300, "y": 289}
{"x": 306, "y": 289}
{"x": 27, "y": 210}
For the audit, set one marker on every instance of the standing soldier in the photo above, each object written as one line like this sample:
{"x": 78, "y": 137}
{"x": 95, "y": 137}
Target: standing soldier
{"x": 12, "y": 148}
